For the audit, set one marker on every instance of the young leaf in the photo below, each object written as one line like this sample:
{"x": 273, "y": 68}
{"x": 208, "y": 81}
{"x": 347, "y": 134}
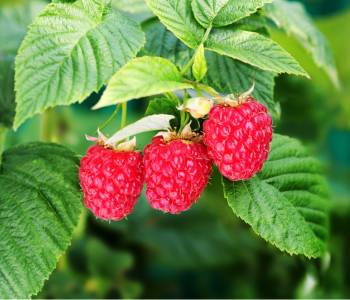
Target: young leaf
{"x": 40, "y": 204}
{"x": 254, "y": 49}
{"x": 286, "y": 204}
{"x": 219, "y": 13}
{"x": 149, "y": 123}
{"x": 161, "y": 42}
{"x": 199, "y": 67}
{"x": 232, "y": 76}
{"x": 70, "y": 51}
{"x": 177, "y": 16}
{"x": 142, "y": 77}
{"x": 292, "y": 18}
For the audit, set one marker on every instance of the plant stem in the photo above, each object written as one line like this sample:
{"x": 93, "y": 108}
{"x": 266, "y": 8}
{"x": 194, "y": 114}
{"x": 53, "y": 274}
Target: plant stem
{"x": 124, "y": 115}
{"x": 207, "y": 89}
{"x": 3, "y": 133}
{"x": 190, "y": 62}
{"x": 188, "y": 65}
{"x": 171, "y": 95}
{"x": 45, "y": 126}
{"x": 109, "y": 120}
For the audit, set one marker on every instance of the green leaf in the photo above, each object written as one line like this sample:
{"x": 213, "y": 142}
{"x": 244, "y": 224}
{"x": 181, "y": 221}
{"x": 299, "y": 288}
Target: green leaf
{"x": 256, "y": 23}
{"x": 294, "y": 20}
{"x": 136, "y": 9}
{"x": 40, "y": 204}
{"x": 196, "y": 239}
{"x": 163, "y": 105}
{"x": 177, "y": 16}
{"x": 15, "y": 18}
{"x": 232, "y": 76}
{"x": 105, "y": 262}
{"x": 161, "y": 42}
{"x": 159, "y": 105}
{"x": 7, "y": 93}
{"x": 254, "y": 49}
{"x": 219, "y": 13}
{"x": 70, "y": 51}
{"x": 142, "y": 77}
{"x": 286, "y": 204}
{"x": 199, "y": 67}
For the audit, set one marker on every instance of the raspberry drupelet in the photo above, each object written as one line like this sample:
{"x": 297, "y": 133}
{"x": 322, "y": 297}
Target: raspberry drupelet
{"x": 176, "y": 173}
{"x": 111, "y": 181}
{"x": 238, "y": 138}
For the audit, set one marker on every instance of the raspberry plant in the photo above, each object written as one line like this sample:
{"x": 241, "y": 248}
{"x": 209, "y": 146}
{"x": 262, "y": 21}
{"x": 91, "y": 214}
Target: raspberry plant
{"x": 182, "y": 57}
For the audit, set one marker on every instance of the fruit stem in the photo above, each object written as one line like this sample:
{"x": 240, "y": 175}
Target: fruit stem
{"x": 109, "y": 120}
{"x": 190, "y": 62}
{"x": 184, "y": 120}
{"x": 3, "y": 133}
{"x": 124, "y": 115}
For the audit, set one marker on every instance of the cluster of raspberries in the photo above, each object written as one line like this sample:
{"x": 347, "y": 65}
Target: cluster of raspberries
{"x": 177, "y": 170}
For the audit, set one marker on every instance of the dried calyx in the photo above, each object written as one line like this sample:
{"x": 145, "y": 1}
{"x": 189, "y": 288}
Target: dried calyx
{"x": 186, "y": 135}
{"x": 123, "y": 146}
{"x": 235, "y": 101}
{"x": 199, "y": 107}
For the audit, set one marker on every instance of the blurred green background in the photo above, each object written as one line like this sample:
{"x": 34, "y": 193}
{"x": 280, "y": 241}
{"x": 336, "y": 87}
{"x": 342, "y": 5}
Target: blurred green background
{"x": 207, "y": 252}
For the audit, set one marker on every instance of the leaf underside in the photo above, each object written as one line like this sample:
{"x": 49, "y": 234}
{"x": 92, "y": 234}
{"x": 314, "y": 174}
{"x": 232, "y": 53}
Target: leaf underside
{"x": 142, "y": 77}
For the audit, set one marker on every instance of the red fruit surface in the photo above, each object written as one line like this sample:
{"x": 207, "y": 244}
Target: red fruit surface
{"x": 112, "y": 181}
{"x": 176, "y": 173}
{"x": 238, "y": 138}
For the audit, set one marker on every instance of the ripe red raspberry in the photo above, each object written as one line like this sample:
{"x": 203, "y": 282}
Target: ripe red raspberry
{"x": 176, "y": 173}
{"x": 238, "y": 138}
{"x": 112, "y": 181}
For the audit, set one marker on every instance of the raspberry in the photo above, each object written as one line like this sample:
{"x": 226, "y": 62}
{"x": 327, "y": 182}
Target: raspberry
{"x": 176, "y": 173}
{"x": 238, "y": 138}
{"x": 112, "y": 181}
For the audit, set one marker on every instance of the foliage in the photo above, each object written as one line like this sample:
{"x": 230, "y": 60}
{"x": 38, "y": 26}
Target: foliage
{"x": 287, "y": 203}
{"x": 74, "y": 55}
{"x": 292, "y": 17}
{"x": 40, "y": 207}
{"x": 206, "y": 48}
{"x": 15, "y": 20}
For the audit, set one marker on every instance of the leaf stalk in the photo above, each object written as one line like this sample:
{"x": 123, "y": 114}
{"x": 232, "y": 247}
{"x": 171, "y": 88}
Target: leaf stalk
{"x": 190, "y": 62}
{"x": 124, "y": 115}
